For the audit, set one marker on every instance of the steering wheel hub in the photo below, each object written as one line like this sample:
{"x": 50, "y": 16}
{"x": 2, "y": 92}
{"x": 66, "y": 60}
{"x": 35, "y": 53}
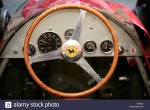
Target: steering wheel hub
{"x": 71, "y": 51}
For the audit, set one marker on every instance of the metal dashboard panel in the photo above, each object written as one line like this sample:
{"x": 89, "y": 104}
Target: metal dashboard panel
{"x": 58, "y": 22}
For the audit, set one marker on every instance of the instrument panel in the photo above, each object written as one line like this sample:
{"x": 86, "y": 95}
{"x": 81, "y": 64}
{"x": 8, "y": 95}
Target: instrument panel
{"x": 56, "y": 28}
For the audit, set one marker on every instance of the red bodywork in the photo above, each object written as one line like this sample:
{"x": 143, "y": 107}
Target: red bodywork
{"x": 34, "y": 6}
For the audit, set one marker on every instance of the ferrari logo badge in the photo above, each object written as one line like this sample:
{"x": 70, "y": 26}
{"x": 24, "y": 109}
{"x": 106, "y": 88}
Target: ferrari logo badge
{"x": 71, "y": 51}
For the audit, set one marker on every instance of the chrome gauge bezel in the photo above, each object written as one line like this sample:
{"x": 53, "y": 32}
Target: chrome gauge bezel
{"x": 108, "y": 51}
{"x": 95, "y": 47}
{"x": 67, "y": 32}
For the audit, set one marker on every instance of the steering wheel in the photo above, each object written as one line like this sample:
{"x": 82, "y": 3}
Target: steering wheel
{"x": 71, "y": 50}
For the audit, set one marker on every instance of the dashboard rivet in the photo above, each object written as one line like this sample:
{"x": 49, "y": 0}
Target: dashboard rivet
{"x": 15, "y": 51}
{"x": 50, "y": 28}
{"x": 91, "y": 27}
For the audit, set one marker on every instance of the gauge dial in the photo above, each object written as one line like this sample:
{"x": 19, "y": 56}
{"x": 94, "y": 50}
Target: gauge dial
{"x": 68, "y": 34}
{"x": 106, "y": 46}
{"x": 49, "y": 42}
{"x": 90, "y": 46}
{"x": 31, "y": 50}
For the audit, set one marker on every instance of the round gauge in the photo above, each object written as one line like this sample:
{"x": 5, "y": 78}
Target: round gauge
{"x": 106, "y": 46}
{"x": 90, "y": 46}
{"x": 31, "y": 50}
{"x": 49, "y": 42}
{"x": 68, "y": 34}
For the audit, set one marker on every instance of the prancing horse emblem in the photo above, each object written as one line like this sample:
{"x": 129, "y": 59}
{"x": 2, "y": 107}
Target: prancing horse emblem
{"x": 71, "y": 51}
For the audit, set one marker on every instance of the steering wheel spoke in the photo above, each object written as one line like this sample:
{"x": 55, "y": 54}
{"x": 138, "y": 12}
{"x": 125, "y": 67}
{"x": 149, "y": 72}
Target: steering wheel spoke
{"x": 87, "y": 67}
{"x": 48, "y": 56}
{"x": 77, "y": 31}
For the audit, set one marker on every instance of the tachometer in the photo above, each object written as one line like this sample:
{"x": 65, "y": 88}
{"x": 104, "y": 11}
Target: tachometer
{"x": 49, "y": 42}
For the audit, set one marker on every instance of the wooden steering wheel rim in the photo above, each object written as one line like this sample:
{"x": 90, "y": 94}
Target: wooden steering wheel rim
{"x": 71, "y": 6}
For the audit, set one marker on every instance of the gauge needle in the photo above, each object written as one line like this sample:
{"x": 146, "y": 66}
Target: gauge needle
{"x": 45, "y": 42}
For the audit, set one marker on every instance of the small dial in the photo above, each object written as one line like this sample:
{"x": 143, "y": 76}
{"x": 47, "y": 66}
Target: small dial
{"x": 49, "y": 42}
{"x": 31, "y": 50}
{"x": 106, "y": 46}
{"x": 68, "y": 34}
{"x": 90, "y": 46}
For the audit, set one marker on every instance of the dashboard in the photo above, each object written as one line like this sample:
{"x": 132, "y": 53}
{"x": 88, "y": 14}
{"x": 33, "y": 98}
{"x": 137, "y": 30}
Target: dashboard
{"x": 72, "y": 76}
{"x": 56, "y": 28}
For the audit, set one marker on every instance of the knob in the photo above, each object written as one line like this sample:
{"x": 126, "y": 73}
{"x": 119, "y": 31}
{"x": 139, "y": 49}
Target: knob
{"x": 121, "y": 49}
